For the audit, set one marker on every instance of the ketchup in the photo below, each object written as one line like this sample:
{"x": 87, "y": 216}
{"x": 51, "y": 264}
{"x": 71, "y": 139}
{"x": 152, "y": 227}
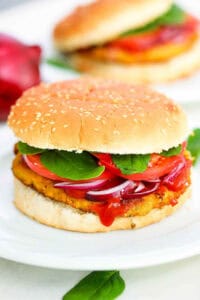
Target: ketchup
{"x": 109, "y": 211}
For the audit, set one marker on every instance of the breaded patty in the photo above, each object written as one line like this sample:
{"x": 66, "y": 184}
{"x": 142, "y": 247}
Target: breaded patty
{"x": 138, "y": 207}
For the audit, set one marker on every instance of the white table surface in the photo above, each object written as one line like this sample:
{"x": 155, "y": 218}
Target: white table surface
{"x": 178, "y": 281}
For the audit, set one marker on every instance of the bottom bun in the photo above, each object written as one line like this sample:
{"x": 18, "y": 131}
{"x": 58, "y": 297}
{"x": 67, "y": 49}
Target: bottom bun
{"x": 178, "y": 67}
{"x": 62, "y": 216}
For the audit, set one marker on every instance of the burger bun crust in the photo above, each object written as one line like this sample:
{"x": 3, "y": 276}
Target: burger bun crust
{"x": 98, "y": 115}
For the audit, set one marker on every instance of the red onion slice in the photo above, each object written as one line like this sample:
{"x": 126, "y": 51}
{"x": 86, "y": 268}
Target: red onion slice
{"x": 110, "y": 193}
{"x": 171, "y": 177}
{"x": 140, "y": 187}
{"x": 81, "y": 186}
{"x": 149, "y": 188}
{"x": 153, "y": 180}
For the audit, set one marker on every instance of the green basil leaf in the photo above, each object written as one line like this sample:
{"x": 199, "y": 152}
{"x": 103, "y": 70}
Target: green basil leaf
{"x": 193, "y": 144}
{"x": 71, "y": 165}
{"x": 60, "y": 63}
{"x": 131, "y": 163}
{"x": 174, "y": 16}
{"x": 26, "y": 149}
{"x": 172, "y": 151}
{"x": 98, "y": 285}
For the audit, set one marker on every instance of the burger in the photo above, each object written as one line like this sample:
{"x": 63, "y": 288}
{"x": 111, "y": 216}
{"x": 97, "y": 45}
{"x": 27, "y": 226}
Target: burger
{"x": 145, "y": 41}
{"x": 96, "y": 155}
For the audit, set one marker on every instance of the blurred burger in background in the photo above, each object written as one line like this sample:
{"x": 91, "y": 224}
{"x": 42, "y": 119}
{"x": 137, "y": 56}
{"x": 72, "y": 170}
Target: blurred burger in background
{"x": 145, "y": 41}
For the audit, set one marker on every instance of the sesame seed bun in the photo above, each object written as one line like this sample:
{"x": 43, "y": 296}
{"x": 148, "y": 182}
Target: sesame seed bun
{"x": 98, "y": 115}
{"x": 63, "y": 216}
{"x": 180, "y": 66}
{"x": 103, "y": 20}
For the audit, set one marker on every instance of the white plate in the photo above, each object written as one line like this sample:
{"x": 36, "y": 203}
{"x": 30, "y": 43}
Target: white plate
{"x": 24, "y": 240}
{"x": 33, "y": 22}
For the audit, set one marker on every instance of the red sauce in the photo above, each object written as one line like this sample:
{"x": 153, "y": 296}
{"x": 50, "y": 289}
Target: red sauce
{"x": 173, "y": 202}
{"x": 109, "y": 211}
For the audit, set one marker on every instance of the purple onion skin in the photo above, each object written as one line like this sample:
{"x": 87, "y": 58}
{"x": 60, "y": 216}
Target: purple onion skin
{"x": 148, "y": 190}
{"x": 169, "y": 179}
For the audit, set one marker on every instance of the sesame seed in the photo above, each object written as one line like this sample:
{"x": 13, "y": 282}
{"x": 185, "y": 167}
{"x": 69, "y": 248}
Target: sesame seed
{"x": 116, "y": 132}
{"x": 163, "y": 131}
{"x": 66, "y": 125}
{"x": 87, "y": 113}
{"x": 53, "y": 129}
{"x": 38, "y": 115}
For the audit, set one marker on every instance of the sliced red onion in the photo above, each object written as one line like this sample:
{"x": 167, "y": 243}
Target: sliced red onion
{"x": 150, "y": 188}
{"x": 113, "y": 192}
{"x": 153, "y": 180}
{"x": 81, "y": 186}
{"x": 170, "y": 178}
{"x": 140, "y": 187}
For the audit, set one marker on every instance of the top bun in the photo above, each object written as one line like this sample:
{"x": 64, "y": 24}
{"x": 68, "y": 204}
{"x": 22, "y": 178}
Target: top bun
{"x": 104, "y": 20}
{"x": 98, "y": 115}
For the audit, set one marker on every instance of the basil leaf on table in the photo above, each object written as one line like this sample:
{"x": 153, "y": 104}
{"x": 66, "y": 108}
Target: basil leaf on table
{"x": 193, "y": 144}
{"x": 26, "y": 149}
{"x": 131, "y": 163}
{"x": 174, "y": 16}
{"x": 98, "y": 285}
{"x": 71, "y": 165}
{"x": 172, "y": 151}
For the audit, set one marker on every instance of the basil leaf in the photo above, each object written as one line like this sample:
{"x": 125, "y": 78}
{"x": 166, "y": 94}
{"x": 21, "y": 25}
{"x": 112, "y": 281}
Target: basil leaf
{"x": 98, "y": 285}
{"x": 193, "y": 144}
{"x": 59, "y": 63}
{"x": 174, "y": 16}
{"x": 26, "y": 149}
{"x": 71, "y": 165}
{"x": 172, "y": 151}
{"x": 131, "y": 163}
